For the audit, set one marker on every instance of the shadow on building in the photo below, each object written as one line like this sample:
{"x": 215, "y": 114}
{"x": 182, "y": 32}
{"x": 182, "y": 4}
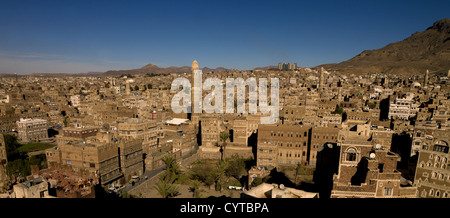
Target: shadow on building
{"x": 384, "y": 109}
{"x": 402, "y": 145}
{"x": 52, "y": 132}
{"x": 253, "y": 142}
{"x": 361, "y": 172}
{"x": 327, "y": 165}
{"x": 199, "y": 133}
{"x": 279, "y": 178}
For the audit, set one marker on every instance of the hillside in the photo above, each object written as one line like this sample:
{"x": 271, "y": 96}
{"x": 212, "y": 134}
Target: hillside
{"x": 429, "y": 49}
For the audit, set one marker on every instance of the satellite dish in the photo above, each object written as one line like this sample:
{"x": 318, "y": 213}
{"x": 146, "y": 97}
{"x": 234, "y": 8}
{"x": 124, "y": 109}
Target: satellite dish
{"x": 378, "y": 146}
{"x": 330, "y": 145}
{"x": 372, "y": 156}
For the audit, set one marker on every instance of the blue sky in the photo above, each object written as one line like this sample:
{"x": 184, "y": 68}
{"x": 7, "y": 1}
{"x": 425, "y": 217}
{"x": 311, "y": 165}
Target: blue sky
{"x": 81, "y": 36}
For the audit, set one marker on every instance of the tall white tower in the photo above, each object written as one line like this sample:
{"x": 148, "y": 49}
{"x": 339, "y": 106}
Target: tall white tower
{"x": 321, "y": 79}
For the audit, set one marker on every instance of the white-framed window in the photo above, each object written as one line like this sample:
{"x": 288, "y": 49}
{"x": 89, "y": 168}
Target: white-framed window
{"x": 388, "y": 191}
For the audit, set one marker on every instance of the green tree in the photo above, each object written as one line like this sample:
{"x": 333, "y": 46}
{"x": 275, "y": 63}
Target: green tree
{"x": 338, "y": 110}
{"x": 173, "y": 170}
{"x": 38, "y": 160}
{"x": 167, "y": 188}
{"x": 202, "y": 172}
{"x": 65, "y": 121}
{"x": 18, "y": 167}
{"x": 219, "y": 175}
{"x": 235, "y": 167}
{"x": 11, "y": 145}
{"x": 195, "y": 189}
{"x": 223, "y": 137}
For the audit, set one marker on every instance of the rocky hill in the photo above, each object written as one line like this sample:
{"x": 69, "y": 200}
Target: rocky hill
{"x": 429, "y": 49}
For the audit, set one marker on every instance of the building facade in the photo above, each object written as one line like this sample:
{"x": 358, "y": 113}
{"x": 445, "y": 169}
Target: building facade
{"x": 367, "y": 169}
{"x": 283, "y": 145}
{"x": 32, "y": 130}
{"x": 432, "y": 175}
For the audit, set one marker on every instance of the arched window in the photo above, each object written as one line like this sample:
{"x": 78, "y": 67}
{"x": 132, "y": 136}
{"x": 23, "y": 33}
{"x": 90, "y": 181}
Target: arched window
{"x": 351, "y": 155}
{"x": 434, "y": 175}
{"x": 436, "y": 165}
{"x": 441, "y": 146}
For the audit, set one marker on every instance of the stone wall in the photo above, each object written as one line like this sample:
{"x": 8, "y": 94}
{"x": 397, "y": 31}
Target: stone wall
{"x": 146, "y": 185}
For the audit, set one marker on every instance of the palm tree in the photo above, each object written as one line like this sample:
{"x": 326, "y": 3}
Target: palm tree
{"x": 166, "y": 185}
{"x": 219, "y": 174}
{"x": 168, "y": 161}
{"x": 223, "y": 137}
{"x": 172, "y": 168}
{"x": 195, "y": 189}
{"x": 167, "y": 188}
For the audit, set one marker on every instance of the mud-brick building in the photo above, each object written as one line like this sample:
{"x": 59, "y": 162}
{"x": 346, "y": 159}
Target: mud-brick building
{"x": 432, "y": 176}
{"x": 368, "y": 170}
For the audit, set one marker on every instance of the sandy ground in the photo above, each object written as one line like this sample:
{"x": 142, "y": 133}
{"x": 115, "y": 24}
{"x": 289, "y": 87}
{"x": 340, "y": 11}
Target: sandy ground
{"x": 204, "y": 192}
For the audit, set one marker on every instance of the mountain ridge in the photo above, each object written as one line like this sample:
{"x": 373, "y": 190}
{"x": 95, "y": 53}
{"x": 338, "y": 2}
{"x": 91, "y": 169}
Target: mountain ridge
{"x": 153, "y": 69}
{"x": 428, "y": 49}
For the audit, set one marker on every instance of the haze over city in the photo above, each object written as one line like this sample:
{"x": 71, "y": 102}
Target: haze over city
{"x": 86, "y": 36}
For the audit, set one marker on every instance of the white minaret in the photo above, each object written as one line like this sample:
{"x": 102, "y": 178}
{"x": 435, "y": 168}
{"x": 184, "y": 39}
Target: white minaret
{"x": 127, "y": 87}
{"x": 196, "y": 89}
{"x": 321, "y": 79}
{"x": 426, "y": 78}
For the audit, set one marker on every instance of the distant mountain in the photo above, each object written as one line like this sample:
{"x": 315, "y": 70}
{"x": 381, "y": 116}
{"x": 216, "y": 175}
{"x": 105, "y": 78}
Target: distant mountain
{"x": 66, "y": 74}
{"x": 267, "y": 68}
{"x": 153, "y": 69}
{"x": 429, "y": 49}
